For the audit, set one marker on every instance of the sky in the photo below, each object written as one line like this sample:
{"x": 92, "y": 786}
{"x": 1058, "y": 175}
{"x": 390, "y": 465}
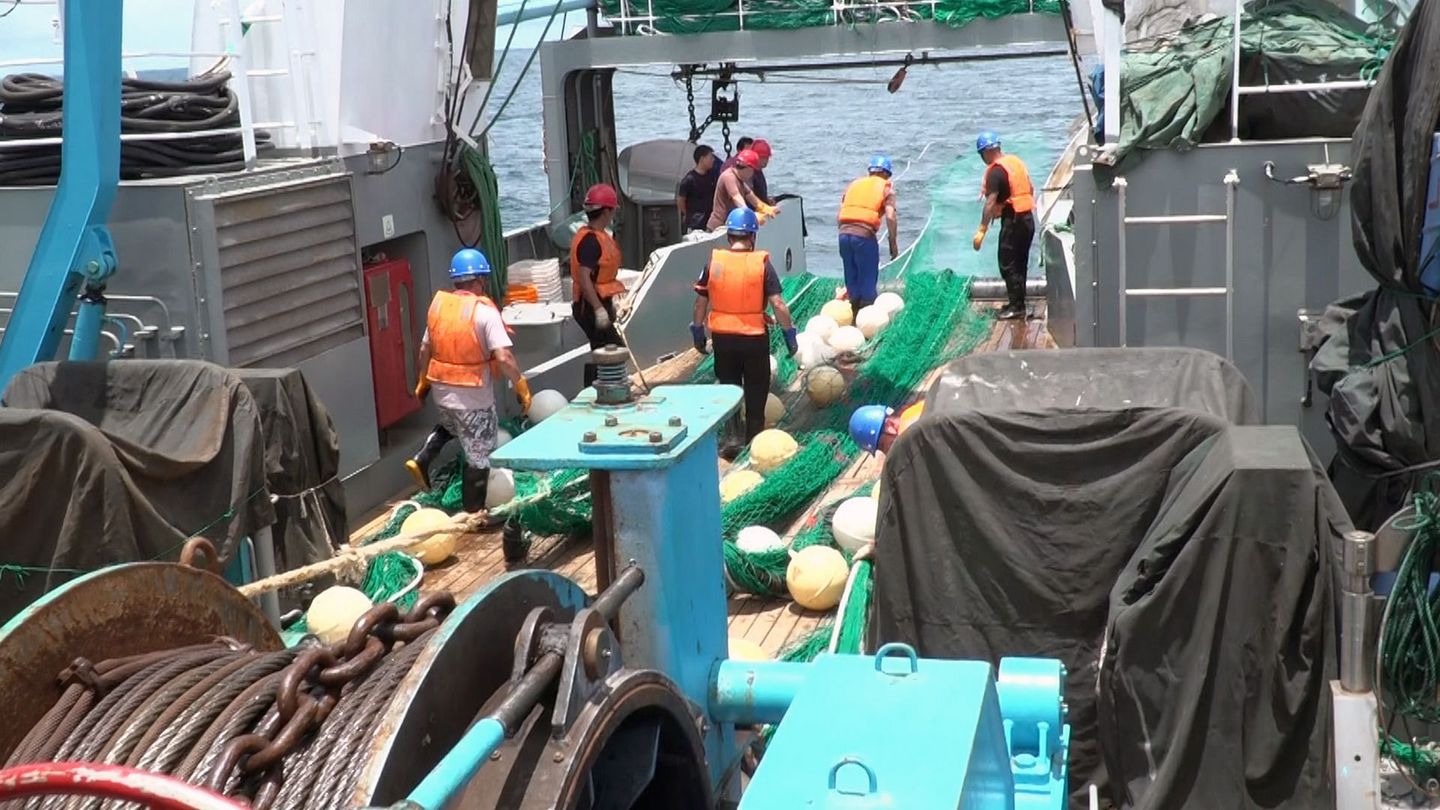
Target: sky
{"x": 29, "y": 30}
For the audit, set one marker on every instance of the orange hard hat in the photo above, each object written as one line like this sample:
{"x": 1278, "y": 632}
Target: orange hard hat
{"x": 747, "y": 158}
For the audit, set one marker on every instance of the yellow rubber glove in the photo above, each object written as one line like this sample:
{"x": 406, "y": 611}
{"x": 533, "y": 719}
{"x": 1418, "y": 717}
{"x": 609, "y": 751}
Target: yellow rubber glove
{"x": 522, "y": 393}
{"x": 422, "y": 387}
{"x": 979, "y": 237}
{"x": 760, "y": 217}
{"x": 769, "y": 210}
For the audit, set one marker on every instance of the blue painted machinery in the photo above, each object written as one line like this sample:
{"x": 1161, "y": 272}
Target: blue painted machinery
{"x": 74, "y": 255}
{"x": 891, "y": 729}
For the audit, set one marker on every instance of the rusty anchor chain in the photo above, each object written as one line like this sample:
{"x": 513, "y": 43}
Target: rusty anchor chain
{"x": 313, "y": 684}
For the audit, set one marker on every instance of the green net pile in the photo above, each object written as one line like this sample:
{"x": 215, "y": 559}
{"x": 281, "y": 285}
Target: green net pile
{"x": 705, "y": 16}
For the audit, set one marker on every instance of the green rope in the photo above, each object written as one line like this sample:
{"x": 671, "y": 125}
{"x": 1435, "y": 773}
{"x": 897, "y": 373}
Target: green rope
{"x": 492, "y": 230}
{"x": 1410, "y": 637}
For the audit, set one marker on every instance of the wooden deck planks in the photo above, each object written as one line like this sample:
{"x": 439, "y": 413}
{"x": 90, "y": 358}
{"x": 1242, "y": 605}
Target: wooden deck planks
{"x": 773, "y": 624}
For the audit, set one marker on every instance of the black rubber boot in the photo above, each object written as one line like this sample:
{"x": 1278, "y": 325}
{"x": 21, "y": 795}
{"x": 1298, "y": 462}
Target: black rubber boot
{"x": 513, "y": 543}
{"x": 419, "y": 464}
{"x": 474, "y": 486}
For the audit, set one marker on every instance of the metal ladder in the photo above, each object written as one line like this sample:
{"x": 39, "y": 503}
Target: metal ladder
{"x": 1232, "y": 183}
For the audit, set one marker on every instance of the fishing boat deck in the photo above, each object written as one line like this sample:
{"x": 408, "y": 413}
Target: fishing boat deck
{"x": 773, "y": 624}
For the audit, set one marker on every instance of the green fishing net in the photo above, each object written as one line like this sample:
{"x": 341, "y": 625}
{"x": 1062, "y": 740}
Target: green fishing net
{"x": 704, "y": 16}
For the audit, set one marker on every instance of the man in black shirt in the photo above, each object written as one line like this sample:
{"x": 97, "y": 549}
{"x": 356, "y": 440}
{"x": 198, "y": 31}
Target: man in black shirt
{"x": 696, "y": 193}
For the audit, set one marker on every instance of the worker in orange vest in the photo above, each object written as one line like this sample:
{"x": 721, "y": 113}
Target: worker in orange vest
{"x": 734, "y": 288}
{"x": 1009, "y": 197}
{"x": 594, "y": 273}
{"x": 876, "y": 427}
{"x": 464, "y": 346}
{"x": 867, "y": 202}
{"x": 732, "y": 190}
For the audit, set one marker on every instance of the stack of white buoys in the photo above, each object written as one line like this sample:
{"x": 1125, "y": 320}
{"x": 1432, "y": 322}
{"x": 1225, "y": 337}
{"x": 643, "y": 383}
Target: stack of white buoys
{"x": 890, "y": 302}
{"x": 824, "y": 385}
{"x": 816, "y": 577}
{"x": 758, "y": 540}
{"x": 546, "y": 404}
{"x": 774, "y": 410}
{"x": 501, "y": 489}
{"x": 854, "y": 523}
{"x": 738, "y": 483}
{"x": 542, "y": 274}
{"x": 334, "y": 612}
{"x": 821, "y": 326}
{"x": 838, "y": 311}
{"x": 502, "y": 437}
{"x": 772, "y": 448}
{"x": 812, "y": 350}
{"x": 847, "y": 339}
{"x": 774, "y": 368}
{"x": 437, "y": 548}
{"x": 871, "y": 320}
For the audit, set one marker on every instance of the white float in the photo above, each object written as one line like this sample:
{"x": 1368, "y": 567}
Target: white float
{"x": 334, "y": 611}
{"x": 854, "y": 523}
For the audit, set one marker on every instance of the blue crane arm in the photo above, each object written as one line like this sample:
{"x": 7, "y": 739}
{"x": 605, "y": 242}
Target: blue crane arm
{"x": 74, "y": 252}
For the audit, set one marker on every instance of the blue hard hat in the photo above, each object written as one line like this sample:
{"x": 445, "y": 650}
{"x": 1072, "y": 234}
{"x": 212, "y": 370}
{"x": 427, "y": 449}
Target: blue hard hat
{"x": 882, "y": 163}
{"x": 742, "y": 220}
{"x": 467, "y": 264}
{"x": 987, "y": 140}
{"x": 866, "y": 424}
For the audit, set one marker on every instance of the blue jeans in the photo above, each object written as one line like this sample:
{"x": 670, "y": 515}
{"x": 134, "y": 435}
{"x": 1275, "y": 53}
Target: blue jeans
{"x": 861, "y": 258}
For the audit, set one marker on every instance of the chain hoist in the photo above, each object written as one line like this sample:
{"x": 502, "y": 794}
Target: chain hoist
{"x": 725, "y": 130}
{"x": 695, "y": 131}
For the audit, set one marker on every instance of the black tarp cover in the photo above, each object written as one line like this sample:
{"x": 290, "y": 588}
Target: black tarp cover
{"x": 1188, "y": 548}
{"x": 302, "y": 466}
{"x": 187, "y": 434}
{"x": 1379, "y": 365}
{"x": 1097, "y": 378}
{"x": 68, "y": 506}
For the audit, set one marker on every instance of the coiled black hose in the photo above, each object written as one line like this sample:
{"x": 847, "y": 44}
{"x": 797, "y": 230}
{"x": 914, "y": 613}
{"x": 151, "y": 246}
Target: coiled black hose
{"x": 31, "y": 104}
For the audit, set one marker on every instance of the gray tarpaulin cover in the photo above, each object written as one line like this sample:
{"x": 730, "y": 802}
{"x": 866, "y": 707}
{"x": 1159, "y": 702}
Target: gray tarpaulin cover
{"x": 1097, "y": 378}
{"x": 146, "y": 454}
{"x": 1170, "y": 558}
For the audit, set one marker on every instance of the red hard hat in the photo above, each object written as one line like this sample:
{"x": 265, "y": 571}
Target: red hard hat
{"x": 601, "y": 195}
{"x": 762, "y": 149}
{"x": 747, "y": 158}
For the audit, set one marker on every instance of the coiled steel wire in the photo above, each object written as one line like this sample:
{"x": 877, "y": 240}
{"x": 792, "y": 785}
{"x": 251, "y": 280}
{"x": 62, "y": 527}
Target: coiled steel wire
{"x": 286, "y": 729}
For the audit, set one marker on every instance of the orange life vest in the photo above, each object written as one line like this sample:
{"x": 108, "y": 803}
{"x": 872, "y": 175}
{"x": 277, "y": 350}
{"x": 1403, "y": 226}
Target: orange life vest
{"x": 457, "y": 354}
{"x": 606, "y": 285}
{"x": 1022, "y": 194}
{"x": 737, "y": 292}
{"x": 909, "y": 415}
{"x": 864, "y": 201}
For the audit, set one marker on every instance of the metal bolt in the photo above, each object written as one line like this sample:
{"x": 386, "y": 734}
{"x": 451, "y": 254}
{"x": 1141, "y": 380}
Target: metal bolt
{"x": 589, "y": 436}
{"x": 494, "y": 756}
{"x": 611, "y": 421}
{"x": 92, "y": 266}
{"x": 559, "y": 757}
{"x": 675, "y": 421}
{"x": 655, "y": 437}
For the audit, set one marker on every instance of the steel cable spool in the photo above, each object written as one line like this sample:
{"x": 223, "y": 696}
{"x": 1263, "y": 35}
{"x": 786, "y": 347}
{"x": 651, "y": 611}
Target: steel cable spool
{"x": 284, "y": 728}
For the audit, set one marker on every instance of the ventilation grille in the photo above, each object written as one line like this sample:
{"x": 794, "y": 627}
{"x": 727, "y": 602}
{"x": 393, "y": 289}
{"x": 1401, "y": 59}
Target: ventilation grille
{"x": 289, "y": 272}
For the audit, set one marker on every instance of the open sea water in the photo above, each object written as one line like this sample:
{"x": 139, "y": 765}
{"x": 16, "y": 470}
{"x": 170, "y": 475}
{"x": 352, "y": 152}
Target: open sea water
{"x": 824, "y": 126}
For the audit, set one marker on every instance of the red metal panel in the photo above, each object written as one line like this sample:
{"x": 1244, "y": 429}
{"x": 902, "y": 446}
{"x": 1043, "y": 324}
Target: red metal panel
{"x": 390, "y": 308}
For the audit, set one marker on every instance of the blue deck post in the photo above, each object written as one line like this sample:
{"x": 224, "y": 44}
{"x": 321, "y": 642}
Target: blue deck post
{"x": 74, "y": 247}
{"x": 664, "y": 488}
